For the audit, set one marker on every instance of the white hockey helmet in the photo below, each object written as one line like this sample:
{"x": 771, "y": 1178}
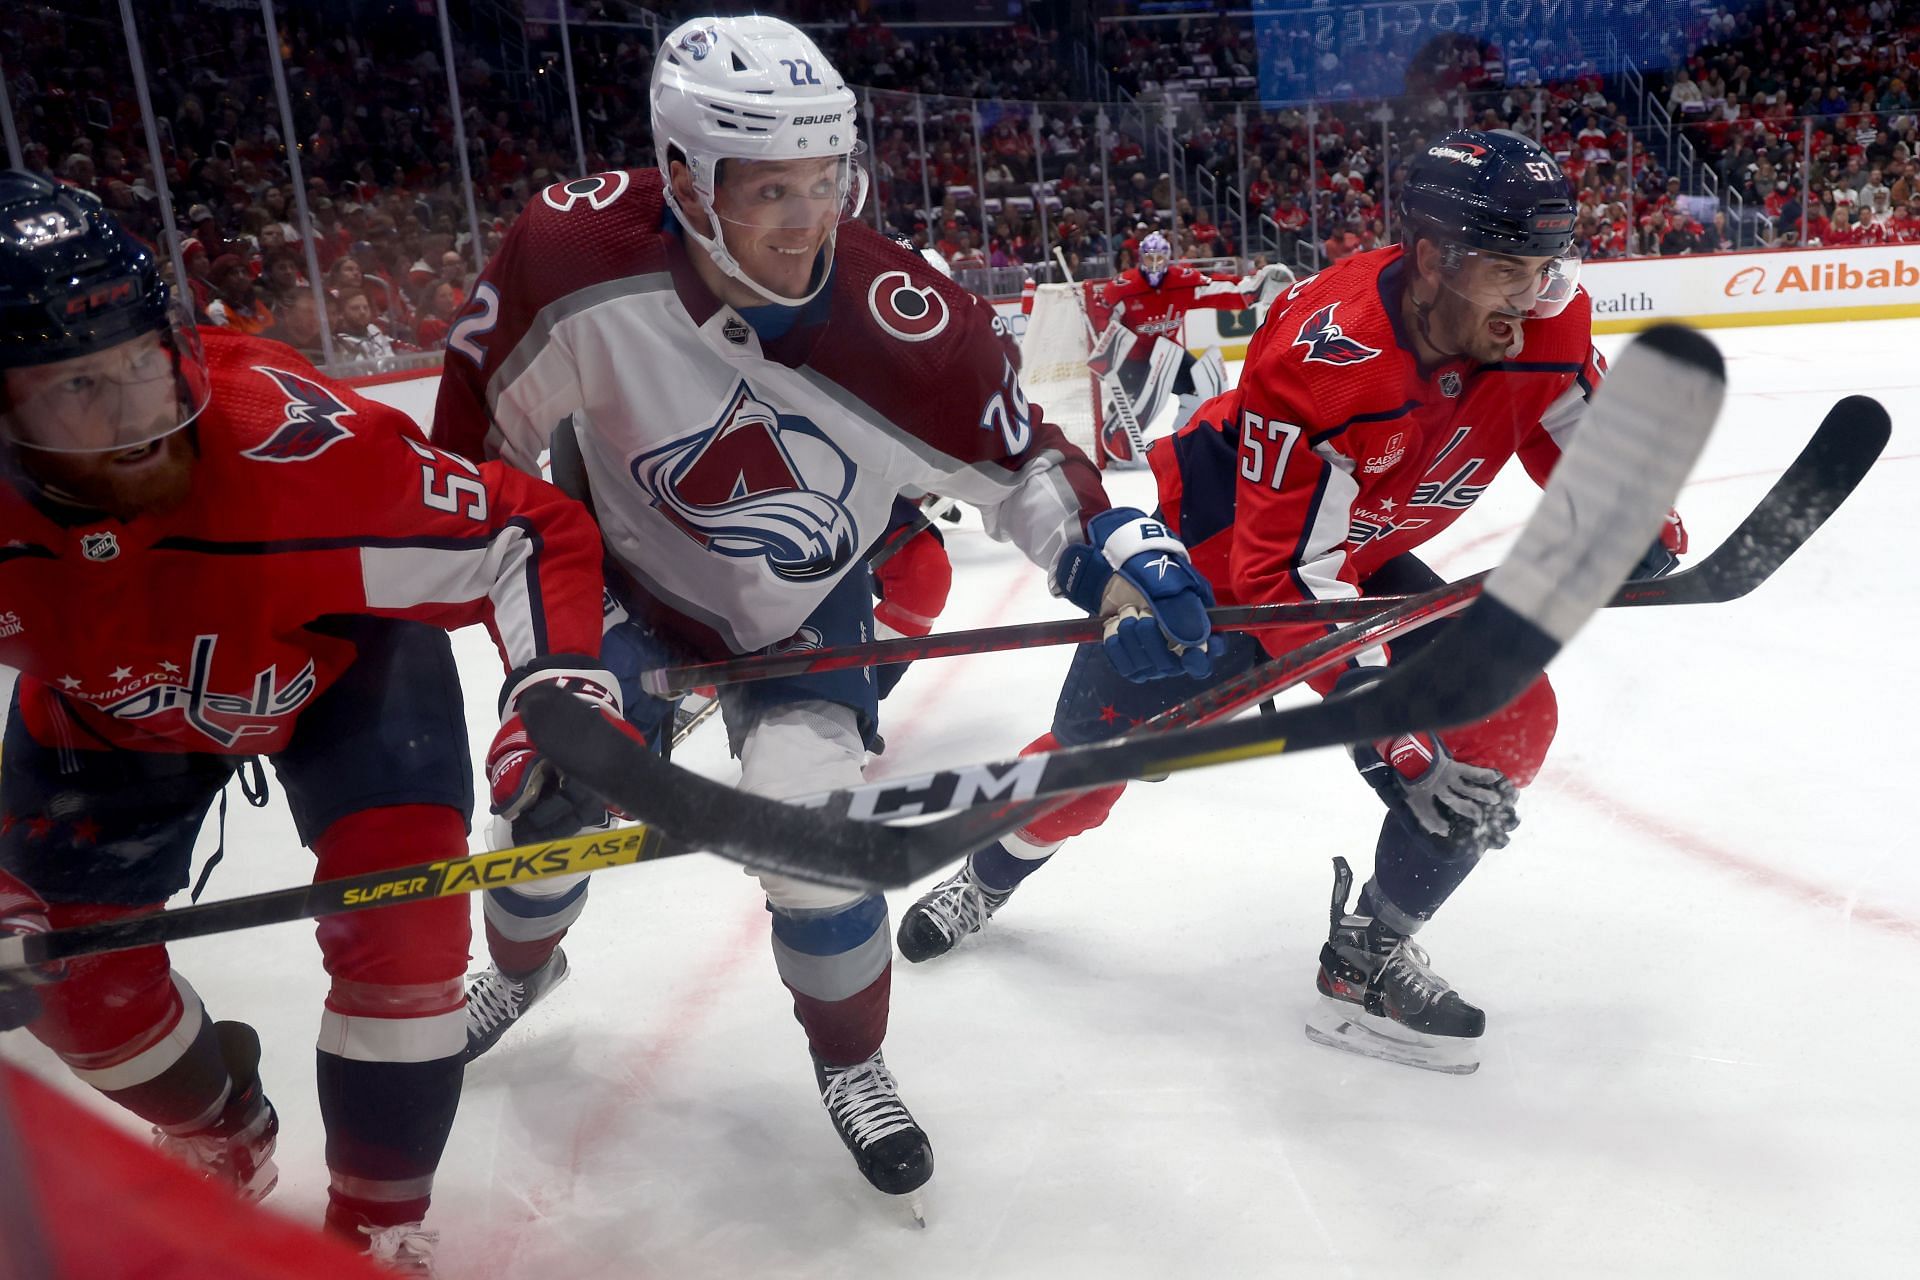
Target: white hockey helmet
{"x": 752, "y": 88}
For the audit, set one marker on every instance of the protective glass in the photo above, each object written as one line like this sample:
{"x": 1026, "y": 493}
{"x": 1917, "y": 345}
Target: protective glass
{"x": 1524, "y": 288}
{"x": 124, "y": 397}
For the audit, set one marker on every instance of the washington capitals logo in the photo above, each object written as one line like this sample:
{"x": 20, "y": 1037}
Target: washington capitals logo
{"x": 312, "y": 424}
{"x": 758, "y": 483}
{"x": 1326, "y": 343}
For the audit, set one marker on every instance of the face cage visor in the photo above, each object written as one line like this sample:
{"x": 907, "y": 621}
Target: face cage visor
{"x": 783, "y": 200}
{"x": 1522, "y": 288}
{"x": 1154, "y": 264}
{"x": 123, "y": 397}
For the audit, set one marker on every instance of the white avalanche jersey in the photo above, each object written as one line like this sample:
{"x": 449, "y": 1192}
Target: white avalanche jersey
{"x": 737, "y": 480}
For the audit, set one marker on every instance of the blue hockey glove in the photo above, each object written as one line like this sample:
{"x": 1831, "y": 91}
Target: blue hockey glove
{"x": 1135, "y": 577}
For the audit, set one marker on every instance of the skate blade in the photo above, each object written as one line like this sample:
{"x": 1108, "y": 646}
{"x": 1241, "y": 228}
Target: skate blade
{"x": 1339, "y": 1025}
{"x": 917, "y": 1206}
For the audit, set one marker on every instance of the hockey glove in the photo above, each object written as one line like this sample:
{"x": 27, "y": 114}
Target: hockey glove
{"x": 22, "y": 915}
{"x": 1469, "y": 808}
{"x": 1663, "y": 557}
{"x": 1135, "y": 577}
{"x": 912, "y": 582}
{"x": 530, "y": 799}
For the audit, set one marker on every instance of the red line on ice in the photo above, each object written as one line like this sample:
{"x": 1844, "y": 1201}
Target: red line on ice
{"x": 1698, "y": 847}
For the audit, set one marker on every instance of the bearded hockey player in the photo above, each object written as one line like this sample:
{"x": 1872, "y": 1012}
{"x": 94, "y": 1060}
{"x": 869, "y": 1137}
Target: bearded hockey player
{"x": 1139, "y": 315}
{"x": 753, "y": 377}
{"x": 1373, "y": 410}
{"x": 211, "y": 556}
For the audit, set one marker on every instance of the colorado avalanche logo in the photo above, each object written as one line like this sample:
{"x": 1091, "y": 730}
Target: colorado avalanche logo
{"x": 758, "y": 483}
{"x": 910, "y": 312}
{"x": 699, "y": 42}
{"x": 312, "y": 424}
{"x": 1326, "y": 343}
{"x": 597, "y": 190}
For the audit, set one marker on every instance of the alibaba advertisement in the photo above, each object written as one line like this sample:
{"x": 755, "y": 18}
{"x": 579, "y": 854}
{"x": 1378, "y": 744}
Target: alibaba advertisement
{"x": 1782, "y": 287}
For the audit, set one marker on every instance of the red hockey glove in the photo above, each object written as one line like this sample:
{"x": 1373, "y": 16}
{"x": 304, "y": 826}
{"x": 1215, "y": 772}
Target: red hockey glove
{"x": 913, "y": 582}
{"x": 22, "y": 915}
{"x": 529, "y": 796}
{"x": 1663, "y": 557}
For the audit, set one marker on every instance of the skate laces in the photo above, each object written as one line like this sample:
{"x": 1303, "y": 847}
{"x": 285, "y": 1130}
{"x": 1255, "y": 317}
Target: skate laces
{"x": 960, "y": 905}
{"x": 407, "y": 1247}
{"x": 1411, "y": 973}
{"x": 494, "y": 1000}
{"x": 865, "y": 1101}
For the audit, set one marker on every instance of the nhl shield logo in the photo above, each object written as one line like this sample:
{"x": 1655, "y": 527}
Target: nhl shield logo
{"x": 99, "y": 546}
{"x": 1450, "y": 384}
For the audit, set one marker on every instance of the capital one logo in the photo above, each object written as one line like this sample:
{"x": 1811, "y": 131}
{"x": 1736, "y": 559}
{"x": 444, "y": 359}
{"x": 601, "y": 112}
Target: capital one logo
{"x": 1747, "y": 280}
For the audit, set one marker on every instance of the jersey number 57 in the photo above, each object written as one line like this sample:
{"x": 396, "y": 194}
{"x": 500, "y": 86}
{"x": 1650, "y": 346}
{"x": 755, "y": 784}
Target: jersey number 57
{"x": 1265, "y": 444}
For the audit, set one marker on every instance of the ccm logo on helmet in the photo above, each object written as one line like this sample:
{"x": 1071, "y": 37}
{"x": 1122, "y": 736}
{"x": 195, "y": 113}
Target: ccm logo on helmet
{"x": 908, "y": 311}
{"x": 106, "y": 295}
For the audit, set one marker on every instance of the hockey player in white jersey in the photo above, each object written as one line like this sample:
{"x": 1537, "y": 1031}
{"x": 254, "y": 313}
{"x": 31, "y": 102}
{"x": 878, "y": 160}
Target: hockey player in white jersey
{"x": 751, "y": 377}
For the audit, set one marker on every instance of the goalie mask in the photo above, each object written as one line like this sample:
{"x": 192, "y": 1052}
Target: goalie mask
{"x": 1156, "y": 255}
{"x": 751, "y": 105}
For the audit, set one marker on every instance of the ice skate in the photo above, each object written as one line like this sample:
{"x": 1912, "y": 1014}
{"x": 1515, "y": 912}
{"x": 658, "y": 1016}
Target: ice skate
{"x": 952, "y": 909}
{"x": 1380, "y": 998}
{"x": 405, "y": 1249}
{"x": 236, "y": 1149}
{"x": 495, "y": 1001}
{"x": 888, "y": 1146}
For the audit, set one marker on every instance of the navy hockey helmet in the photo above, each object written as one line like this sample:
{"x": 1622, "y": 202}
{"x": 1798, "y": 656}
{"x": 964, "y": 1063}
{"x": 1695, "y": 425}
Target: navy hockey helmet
{"x": 1498, "y": 191}
{"x": 1494, "y": 195}
{"x": 74, "y": 284}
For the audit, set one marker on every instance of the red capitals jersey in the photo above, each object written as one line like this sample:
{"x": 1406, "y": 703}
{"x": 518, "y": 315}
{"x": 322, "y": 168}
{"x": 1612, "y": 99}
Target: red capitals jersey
{"x": 190, "y": 631}
{"x": 1338, "y": 452}
{"x": 1156, "y": 312}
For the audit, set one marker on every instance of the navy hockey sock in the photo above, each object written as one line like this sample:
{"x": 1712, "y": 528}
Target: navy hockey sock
{"x": 387, "y": 1124}
{"x": 1000, "y": 870}
{"x": 1413, "y": 874}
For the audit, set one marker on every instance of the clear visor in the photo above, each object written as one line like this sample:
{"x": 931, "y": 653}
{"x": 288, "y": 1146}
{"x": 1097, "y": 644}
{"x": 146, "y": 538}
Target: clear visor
{"x": 1524, "y": 288}
{"x": 790, "y": 195}
{"x": 124, "y": 397}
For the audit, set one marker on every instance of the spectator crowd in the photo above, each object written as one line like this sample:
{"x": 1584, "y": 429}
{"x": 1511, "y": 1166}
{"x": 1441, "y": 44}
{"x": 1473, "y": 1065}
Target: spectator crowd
{"x": 1800, "y": 121}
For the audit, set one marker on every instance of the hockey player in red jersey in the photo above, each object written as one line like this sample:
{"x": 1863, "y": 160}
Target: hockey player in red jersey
{"x": 1138, "y": 316}
{"x": 753, "y": 377}
{"x": 1377, "y": 403}
{"x": 216, "y": 554}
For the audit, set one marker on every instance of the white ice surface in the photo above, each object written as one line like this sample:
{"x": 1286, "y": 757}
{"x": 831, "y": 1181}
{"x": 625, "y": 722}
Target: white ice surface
{"x": 1700, "y": 960}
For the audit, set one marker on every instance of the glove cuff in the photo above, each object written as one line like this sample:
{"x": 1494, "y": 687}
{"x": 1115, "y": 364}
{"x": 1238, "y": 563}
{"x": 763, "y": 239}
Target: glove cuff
{"x": 576, "y": 673}
{"x": 1123, "y": 533}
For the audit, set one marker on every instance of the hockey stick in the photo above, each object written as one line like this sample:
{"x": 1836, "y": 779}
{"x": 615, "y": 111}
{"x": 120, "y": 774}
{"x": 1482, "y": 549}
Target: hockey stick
{"x": 598, "y": 851}
{"x": 1109, "y": 381}
{"x": 1811, "y": 489}
{"x": 1602, "y": 506}
{"x": 451, "y": 877}
{"x": 685, "y": 721}
{"x": 1834, "y": 461}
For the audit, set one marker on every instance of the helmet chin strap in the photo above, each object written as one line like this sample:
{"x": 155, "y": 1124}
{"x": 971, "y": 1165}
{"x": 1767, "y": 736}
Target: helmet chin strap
{"x": 716, "y": 247}
{"x": 1423, "y": 320}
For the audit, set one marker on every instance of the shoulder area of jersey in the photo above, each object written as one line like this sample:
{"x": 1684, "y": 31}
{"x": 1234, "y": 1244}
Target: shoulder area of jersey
{"x": 271, "y": 406}
{"x": 616, "y": 198}
{"x": 902, "y": 294}
{"x": 1335, "y": 318}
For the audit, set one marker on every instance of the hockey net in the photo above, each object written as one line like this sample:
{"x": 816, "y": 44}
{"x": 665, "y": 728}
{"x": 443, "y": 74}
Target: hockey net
{"x": 1053, "y": 367}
